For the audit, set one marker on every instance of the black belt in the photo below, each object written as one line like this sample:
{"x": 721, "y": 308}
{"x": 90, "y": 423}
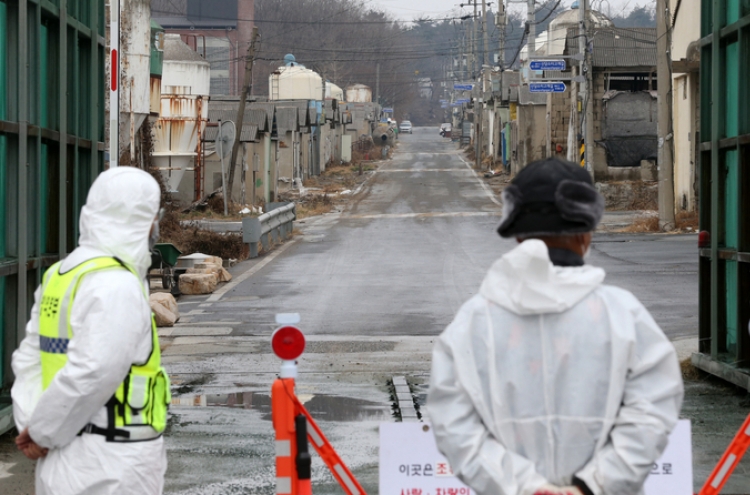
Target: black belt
{"x": 106, "y": 432}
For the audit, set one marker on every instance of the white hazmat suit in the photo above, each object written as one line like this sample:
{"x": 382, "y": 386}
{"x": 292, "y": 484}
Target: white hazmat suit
{"x": 111, "y": 321}
{"x": 547, "y": 374}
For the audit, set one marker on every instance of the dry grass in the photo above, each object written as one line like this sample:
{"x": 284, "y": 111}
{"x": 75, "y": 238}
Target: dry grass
{"x": 690, "y": 372}
{"x": 314, "y": 204}
{"x": 643, "y": 197}
{"x": 687, "y": 220}
{"x": 643, "y": 224}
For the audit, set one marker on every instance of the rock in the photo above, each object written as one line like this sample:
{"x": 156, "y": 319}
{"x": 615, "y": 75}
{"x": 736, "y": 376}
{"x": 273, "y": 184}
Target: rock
{"x": 210, "y": 271}
{"x": 167, "y": 300}
{"x": 225, "y": 276}
{"x": 198, "y": 283}
{"x": 214, "y": 259}
{"x": 163, "y": 316}
{"x": 213, "y": 267}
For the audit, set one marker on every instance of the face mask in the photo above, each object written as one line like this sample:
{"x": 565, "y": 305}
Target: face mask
{"x": 154, "y": 237}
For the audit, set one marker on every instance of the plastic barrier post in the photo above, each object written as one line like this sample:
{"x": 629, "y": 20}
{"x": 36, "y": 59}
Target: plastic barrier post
{"x": 283, "y": 413}
{"x": 326, "y": 451}
{"x": 728, "y": 461}
{"x": 303, "y": 460}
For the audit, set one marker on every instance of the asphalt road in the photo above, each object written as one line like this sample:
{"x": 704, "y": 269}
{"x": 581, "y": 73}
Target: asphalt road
{"x": 415, "y": 243}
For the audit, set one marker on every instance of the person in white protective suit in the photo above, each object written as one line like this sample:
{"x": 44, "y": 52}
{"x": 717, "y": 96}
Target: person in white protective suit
{"x": 549, "y": 381}
{"x": 91, "y": 405}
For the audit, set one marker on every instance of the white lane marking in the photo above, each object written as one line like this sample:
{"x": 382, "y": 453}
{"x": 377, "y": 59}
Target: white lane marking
{"x": 194, "y": 331}
{"x": 4, "y": 468}
{"x": 481, "y": 182}
{"x": 252, "y": 271}
{"x": 407, "y": 170}
{"x": 444, "y": 214}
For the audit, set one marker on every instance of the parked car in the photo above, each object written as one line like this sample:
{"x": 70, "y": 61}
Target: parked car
{"x": 445, "y": 130}
{"x": 405, "y": 126}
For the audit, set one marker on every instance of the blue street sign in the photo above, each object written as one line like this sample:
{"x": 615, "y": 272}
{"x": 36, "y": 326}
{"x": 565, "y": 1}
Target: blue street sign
{"x": 463, "y": 87}
{"x": 462, "y": 101}
{"x": 548, "y": 65}
{"x": 387, "y": 110}
{"x": 547, "y": 87}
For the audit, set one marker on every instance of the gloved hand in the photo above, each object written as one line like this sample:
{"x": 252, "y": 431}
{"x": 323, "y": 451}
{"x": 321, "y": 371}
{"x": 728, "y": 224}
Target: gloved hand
{"x": 558, "y": 490}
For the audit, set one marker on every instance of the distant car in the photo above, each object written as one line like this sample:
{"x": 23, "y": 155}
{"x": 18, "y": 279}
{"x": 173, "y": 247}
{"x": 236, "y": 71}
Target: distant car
{"x": 405, "y": 127}
{"x": 445, "y": 130}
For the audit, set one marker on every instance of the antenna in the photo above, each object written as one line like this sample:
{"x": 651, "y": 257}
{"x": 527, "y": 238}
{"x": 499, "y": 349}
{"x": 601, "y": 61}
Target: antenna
{"x": 224, "y": 140}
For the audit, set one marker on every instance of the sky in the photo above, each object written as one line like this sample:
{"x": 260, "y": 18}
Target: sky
{"x": 407, "y": 10}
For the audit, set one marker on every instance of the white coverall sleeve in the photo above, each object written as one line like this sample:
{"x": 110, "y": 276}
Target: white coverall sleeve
{"x": 27, "y": 369}
{"x": 475, "y": 456}
{"x": 650, "y": 408}
{"x": 109, "y": 316}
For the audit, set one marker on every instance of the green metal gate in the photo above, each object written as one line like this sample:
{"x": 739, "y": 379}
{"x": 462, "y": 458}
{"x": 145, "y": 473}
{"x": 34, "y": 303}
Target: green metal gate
{"x": 725, "y": 190}
{"x": 51, "y": 145}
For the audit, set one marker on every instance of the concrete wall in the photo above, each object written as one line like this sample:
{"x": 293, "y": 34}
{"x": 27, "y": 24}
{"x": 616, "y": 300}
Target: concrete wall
{"x": 685, "y": 107}
{"x": 685, "y": 114}
{"x": 532, "y": 135}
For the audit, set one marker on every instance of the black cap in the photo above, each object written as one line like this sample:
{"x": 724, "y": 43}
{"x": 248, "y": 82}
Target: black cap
{"x": 550, "y": 197}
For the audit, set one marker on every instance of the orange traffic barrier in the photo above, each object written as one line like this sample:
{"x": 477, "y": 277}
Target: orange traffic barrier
{"x": 294, "y": 426}
{"x": 729, "y": 461}
{"x": 283, "y": 414}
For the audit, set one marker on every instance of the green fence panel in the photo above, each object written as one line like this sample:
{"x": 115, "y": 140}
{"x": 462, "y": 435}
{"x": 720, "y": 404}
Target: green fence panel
{"x": 731, "y": 90}
{"x": 731, "y": 308}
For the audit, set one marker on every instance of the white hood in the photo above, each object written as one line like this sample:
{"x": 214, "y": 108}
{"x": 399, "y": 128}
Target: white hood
{"x": 117, "y": 217}
{"x": 525, "y": 282}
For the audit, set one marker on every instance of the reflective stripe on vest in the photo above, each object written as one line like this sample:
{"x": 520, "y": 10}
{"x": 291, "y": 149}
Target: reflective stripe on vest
{"x": 138, "y": 409}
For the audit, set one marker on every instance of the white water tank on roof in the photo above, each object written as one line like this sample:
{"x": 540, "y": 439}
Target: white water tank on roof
{"x": 334, "y": 92}
{"x": 358, "y": 93}
{"x": 185, "y": 84}
{"x": 558, "y": 28}
{"x": 295, "y": 82}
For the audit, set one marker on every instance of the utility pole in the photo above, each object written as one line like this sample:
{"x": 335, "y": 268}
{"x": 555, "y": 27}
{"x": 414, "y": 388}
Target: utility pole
{"x": 531, "y": 21}
{"x": 377, "y": 83}
{"x": 586, "y": 89}
{"x": 241, "y": 111}
{"x": 485, "y": 39}
{"x": 475, "y": 45}
{"x": 500, "y": 21}
{"x": 664, "y": 125}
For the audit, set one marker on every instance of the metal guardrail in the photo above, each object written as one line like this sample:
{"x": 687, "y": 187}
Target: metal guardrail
{"x": 268, "y": 228}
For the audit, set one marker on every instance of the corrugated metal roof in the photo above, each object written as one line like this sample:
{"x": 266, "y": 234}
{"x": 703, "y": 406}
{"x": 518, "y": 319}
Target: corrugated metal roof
{"x": 227, "y": 110}
{"x": 302, "y": 107}
{"x": 269, "y": 108}
{"x": 249, "y": 133}
{"x": 619, "y": 47}
{"x": 287, "y": 119}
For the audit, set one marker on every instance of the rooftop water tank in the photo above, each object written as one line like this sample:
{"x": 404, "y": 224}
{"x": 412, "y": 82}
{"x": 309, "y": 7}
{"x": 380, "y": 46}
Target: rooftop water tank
{"x": 558, "y": 28}
{"x": 295, "y": 82}
{"x": 358, "y": 93}
{"x": 334, "y": 92}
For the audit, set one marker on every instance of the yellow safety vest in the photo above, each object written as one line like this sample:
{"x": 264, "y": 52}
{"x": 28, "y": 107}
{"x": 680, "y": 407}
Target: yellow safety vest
{"x": 138, "y": 409}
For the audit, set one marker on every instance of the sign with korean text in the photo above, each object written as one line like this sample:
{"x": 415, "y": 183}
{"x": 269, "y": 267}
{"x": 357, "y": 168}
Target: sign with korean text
{"x": 547, "y": 65}
{"x": 463, "y": 87}
{"x": 547, "y": 87}
{"x": 672, "y": 474}
{"x": 410, "y": 463}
